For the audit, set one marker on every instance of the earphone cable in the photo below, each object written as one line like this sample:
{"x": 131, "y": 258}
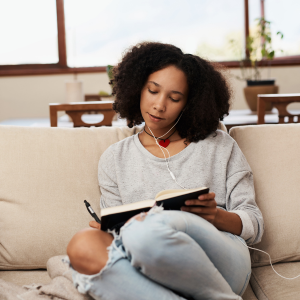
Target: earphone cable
{"x": 170, "y": 129}
{"x": 161, "y": 148}
{"x": 270, "y": 261}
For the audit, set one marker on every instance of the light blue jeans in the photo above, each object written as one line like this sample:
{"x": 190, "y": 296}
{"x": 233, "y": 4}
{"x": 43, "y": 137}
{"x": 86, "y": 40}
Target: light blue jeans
{"x": 170, "y": 255}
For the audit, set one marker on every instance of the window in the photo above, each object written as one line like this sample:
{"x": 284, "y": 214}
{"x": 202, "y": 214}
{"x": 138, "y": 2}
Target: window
{"x": 281, "y": 15}
{"x": 99, "y": 31}
{"x": 28, "y": 32}
{"x": 63, "y": 36}
{"x": 285, "y": 18}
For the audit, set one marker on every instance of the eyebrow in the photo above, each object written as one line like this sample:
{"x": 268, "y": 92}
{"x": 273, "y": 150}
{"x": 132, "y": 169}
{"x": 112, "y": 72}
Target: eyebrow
{"x": 156, "y": 84}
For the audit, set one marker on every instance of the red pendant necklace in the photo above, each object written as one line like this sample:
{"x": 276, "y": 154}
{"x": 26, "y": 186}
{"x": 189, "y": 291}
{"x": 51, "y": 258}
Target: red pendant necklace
{"x": 163, "y": 142}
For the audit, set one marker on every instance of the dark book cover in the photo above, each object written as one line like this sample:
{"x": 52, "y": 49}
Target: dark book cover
{"x": 117, "y": 220}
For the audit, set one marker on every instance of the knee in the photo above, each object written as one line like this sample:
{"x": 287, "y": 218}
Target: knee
{"x": 145, "y": 242}
{"x": 87, "y": 251}
{"x": 76, "y": 247}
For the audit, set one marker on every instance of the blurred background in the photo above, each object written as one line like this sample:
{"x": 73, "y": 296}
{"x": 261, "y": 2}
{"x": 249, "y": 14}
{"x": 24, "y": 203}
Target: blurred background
{"x": 45, "y": 44}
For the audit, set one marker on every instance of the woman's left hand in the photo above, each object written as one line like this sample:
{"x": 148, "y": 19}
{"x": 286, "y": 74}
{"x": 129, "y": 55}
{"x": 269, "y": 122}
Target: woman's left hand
{"x": 205, "y": 207}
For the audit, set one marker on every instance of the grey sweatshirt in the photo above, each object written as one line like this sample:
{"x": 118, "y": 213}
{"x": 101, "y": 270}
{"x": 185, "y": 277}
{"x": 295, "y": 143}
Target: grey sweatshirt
{"x": 127, "y": 173}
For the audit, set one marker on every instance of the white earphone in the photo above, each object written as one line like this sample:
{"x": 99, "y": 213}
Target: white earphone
{"x": 161, "y": 148}
{"x": 270, "y": 261}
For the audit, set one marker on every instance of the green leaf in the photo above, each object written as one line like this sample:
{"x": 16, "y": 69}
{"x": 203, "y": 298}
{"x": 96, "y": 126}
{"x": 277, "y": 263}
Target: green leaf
{"x": 271, "y": 55}
{"x": 103, "y": 93}
{"x": 280, "y": 33}
{"x": 109, "y": 71}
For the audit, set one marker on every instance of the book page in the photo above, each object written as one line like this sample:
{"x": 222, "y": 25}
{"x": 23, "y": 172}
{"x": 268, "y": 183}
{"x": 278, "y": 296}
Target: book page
{"x": 126, "y": 207}
{"x": 164, "y": 192}
{"x": 173, "y": 193}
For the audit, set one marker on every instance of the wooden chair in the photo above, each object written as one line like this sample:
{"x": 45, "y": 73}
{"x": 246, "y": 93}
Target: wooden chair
{"x": 280, "y": 101}
{"x": 76, "y": 109}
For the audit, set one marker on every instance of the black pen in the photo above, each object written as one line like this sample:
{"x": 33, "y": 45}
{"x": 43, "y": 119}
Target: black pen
{"x": 91, "y": 211}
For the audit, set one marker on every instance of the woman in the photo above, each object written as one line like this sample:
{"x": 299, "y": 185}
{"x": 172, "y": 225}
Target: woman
{"x": 196, "y": 253}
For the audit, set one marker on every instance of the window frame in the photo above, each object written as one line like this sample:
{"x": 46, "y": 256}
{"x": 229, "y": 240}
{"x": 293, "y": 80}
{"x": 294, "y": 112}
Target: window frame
{"x": 62, "y": 68}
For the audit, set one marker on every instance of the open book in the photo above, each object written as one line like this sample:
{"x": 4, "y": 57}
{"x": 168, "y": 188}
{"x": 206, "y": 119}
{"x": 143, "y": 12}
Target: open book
{"x": 116, "y": 216}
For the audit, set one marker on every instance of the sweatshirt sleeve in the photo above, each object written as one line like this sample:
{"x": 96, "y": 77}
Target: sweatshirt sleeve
{"x": 240, "y": 196}
{"x": 107, "y": 178}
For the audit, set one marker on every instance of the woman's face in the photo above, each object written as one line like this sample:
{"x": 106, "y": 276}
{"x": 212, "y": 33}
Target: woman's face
{"x": 164, "y": 96}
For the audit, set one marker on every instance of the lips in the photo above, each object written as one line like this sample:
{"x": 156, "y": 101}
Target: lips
{"x": 155, "y": 117}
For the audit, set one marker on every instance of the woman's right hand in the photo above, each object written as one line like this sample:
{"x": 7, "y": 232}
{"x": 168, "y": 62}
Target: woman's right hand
{"x": 95, "y": 225}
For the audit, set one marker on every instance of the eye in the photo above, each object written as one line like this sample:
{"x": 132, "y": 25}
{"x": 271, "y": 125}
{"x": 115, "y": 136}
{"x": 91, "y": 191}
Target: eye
{"x": 174, "y": 100}
{"x": 152, "y": 92}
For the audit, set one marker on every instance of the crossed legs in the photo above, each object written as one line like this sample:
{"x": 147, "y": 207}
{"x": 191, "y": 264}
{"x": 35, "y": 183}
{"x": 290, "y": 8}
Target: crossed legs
{"x": 167, "y": 251}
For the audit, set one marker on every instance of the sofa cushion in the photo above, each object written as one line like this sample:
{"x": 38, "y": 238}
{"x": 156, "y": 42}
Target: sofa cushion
{"x": 249, "y": 294}
{"x": 25, "y": 276}
{"x": 45, "y": 174}
{"x": 269, "y": 286}
{"x": 273, "y": 154}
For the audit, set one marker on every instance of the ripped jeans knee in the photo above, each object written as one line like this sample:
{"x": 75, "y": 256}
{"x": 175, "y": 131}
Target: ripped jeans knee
{"x": 84, "y": 282}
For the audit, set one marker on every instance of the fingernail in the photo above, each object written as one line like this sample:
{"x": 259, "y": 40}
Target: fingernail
{"x": 187, "y": 202}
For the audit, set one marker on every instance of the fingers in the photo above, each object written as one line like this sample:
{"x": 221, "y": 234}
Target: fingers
{"x": 205, "y": 206}
{"x": 95, "y": 225}
{"x": 199, "y": 210}
{"x": 196, "y": 202}
{"x": 208, "y": 196}
{"x": 203, "y": 200}
{"x": 207, "y": 213}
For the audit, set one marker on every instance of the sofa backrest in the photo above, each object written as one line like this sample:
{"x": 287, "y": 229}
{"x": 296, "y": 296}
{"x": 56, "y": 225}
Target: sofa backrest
{"x": 45, "y": 174}
{"x": 273, "y": 152}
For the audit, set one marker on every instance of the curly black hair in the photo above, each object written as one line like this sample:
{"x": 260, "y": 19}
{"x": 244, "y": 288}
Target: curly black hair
{"x": 209, "y": 93}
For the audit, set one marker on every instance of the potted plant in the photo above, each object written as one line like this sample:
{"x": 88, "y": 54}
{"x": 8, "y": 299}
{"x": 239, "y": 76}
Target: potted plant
{"x": 261, "y": 52}
{"x": 109, "y": 71}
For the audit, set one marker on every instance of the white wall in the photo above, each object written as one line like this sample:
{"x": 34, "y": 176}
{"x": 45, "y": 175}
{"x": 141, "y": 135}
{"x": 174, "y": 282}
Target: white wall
{"x": 28, "y": 96}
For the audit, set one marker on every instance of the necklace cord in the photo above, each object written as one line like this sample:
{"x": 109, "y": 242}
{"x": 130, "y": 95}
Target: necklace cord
{"x": 160, "y": 138}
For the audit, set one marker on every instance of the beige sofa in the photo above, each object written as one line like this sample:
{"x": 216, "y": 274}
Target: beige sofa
{"x": 46, "y": 173}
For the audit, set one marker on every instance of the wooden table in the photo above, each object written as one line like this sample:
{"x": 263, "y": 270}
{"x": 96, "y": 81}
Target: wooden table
{"x": 235, "y": 118}
{"x": 280, "y": 102}
{"x": 248, "y": 117}
{"x": 76, "y": 109}
{"x": 63, "y": 121}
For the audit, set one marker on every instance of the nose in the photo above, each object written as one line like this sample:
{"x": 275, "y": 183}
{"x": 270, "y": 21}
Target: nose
{"x": 160, "y": 104}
